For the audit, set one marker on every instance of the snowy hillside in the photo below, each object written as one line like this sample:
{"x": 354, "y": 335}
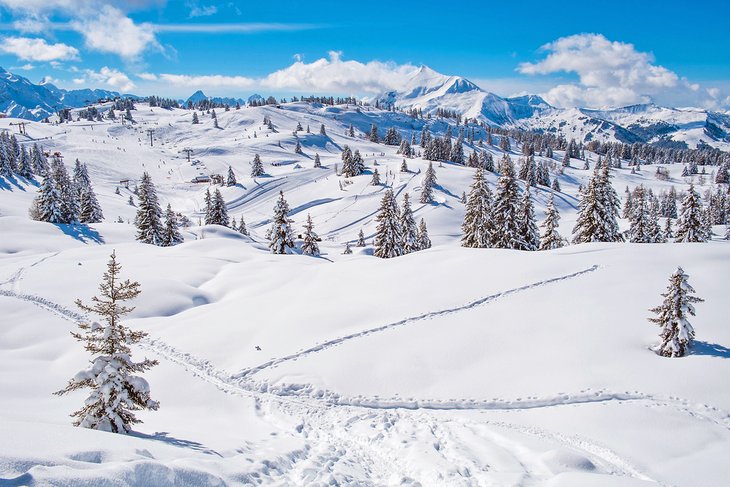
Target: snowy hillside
{"x": 449, "y": 366}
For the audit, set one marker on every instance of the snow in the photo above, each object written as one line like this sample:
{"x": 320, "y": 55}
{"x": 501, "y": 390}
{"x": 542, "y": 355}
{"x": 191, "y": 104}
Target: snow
{"x": 446, "y": 367}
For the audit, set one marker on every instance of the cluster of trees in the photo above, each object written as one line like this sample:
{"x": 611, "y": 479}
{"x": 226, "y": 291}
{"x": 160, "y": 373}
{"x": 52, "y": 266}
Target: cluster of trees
{"x": 506, "y": 219}
{"x": 17, "y": 160}
{"x": 62, "y": 199}
{"x": 397, "y": 233}
{"x": 352, "y": 162}
{"x": 157, "y": 101}
{"x": 149, "y": 218}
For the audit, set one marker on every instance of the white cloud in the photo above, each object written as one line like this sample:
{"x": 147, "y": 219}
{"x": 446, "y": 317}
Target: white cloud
{"x": 24, "y": 67}
{"x": 104, "y": 25}
{"x": 108, "y": 77}
{"x": 207, "y": 81}
{"x": 610, "y": 73}
{"x": 111, "y": 31}
{"x": 147, "y": 76}
{"x": 197, "y": 10}
{"x": 333, "y": 75}
{"x": 33, "y": 49}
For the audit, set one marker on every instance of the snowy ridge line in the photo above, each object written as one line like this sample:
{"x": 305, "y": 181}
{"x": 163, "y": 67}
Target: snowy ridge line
{"x": 44, "y": 303}
{"x": 336, "y": 341}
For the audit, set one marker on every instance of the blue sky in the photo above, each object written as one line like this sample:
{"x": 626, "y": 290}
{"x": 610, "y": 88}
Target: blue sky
{"x": 667, "y": 51}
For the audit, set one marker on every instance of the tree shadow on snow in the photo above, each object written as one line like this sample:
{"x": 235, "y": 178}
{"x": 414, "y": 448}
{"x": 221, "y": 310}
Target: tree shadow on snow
{"x": 10, "y": 182}
{"x": 165, "y": 437}
{"x": 711, "y": 349}
{"x": 81, "y": 232}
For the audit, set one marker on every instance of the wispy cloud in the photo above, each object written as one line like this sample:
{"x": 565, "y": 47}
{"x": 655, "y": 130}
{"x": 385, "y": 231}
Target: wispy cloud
{"x": 33, "y": 49}
{"x": 242, "y": 28}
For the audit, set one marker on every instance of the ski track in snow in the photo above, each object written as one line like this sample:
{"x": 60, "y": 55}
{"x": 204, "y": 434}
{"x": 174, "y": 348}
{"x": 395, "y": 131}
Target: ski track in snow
{"x": 337, "y": 341}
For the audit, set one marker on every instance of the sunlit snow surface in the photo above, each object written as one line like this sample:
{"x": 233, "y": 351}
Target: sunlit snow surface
{"x": 447, "y": 367}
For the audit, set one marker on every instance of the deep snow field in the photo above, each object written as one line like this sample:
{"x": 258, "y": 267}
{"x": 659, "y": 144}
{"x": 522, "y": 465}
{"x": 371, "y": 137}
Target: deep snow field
{"x": 446, "y": 367}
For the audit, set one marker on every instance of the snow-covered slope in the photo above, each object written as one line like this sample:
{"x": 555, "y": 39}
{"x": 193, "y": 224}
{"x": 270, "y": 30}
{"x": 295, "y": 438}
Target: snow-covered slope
{"x": 446, "y": 367}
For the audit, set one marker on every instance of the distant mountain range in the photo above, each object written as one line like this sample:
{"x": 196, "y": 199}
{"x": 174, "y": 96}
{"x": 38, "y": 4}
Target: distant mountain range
{"x": 23, "y": 99}
{"x": 429, "y": 91}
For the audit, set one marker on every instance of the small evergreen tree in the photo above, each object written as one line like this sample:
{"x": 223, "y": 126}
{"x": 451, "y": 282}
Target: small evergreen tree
{"x": 388, "y": 233}
{"x": 551, "y": 239}
{"x": 361, "y": 239}
{"x": 149, "y": 214}
{"x": 689, "y": 223}
{"x": 280, "y": 233}
{"x": 409, "y": 235}
{"x": 528, "y": 232}
{"x": 429, "y": 181}
{"x": 672, "y": 316}
{"x": 257, "y": 168}
{"x": 506, "y": 234}
{"x": 424, "y": 242}
{"x": 376, "y": 178}
{"x": 317, "y": 162}
{"x": 116, "y": 392}
{"x": 231, "y": 180}
{"x": 478, "y": 226}
{"x": 242, "y": 227}
{"x": 310, "y": 246}
{"x": 171, "y": 233}
{"x": 195, "y": 118}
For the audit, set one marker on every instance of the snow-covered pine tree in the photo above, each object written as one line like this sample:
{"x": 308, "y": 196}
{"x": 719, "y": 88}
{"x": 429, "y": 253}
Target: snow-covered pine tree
{"x": 672, "y": 316}
{"x": 67, "y": 190}
{"x": 373, "y": 137}
{"x": 195, "y": 118}
{"x": 347, "y": 250}
{"x": 388, "y": 233}
{"x": 598, "y": 210}
{"x": 231, "y": 180}
{"x": 424, "y": 242}
{"x": 322, "y": 130}
{"x": 689, "y": 222}
{"x": 90, "y": 209}
{"x": 358, "y": 164}
{"x": 242, "y": 227}
{"x": 171, "y": 232}
{"x": 298, "y": 148}
{"x": 361, "y": 239}
{"x": 528, "y": 233}
{"x": 218, "y": 213}
{"x": 551, "y": 239}
{"x": 347, "y": 166}
{"x": 478, "y": 227}
{"x": 555, "y": 186}
{"x": 667, "y": 231}
{"x": 47, "y": 207}
{"x": 280, "y": 233}
{"x": 505, "y": 211}
{"x": 310, "y": 246}
{"x": 149, "y": 214}
{"x": 317, "y": 162}
{"x": 116, "y": 392}
{"x": 257, "y": 168}
{"x": 404, "y": 166}
{"x": 409, "y": 230}
{"x": 429, "y": 181}
{"x": 639, "y": 217}
{"x": 376, "y": 178}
